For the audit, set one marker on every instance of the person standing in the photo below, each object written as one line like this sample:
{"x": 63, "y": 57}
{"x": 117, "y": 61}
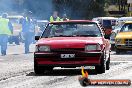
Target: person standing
{"x": 27, "y": 30}
{"x": 33, "y": 28}
{"x": 64, "y": 18}
{"x": 6, "y": 29}
{"x": 55, "y": 17}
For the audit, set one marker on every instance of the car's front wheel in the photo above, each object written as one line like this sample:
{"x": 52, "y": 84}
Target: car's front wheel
{"x": 41, "y": 69}
{"x": 101, "y": 68}
{"x": 38, "y": 69}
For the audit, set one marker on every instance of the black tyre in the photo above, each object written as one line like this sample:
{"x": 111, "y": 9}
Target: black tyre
{"x": 101, "y": 68}
{"x": 113, "y": 47}
{"x": 118, "y": 51}
{"x": 41, "y": 69}
{"x": 38, "y": 69}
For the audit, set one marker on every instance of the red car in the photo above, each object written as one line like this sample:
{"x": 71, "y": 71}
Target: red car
{"x": 72, "y": 43}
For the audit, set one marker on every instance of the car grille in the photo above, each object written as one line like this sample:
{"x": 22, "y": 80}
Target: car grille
{"x": 128, "y": 43}
{"x": 68, "y": 50}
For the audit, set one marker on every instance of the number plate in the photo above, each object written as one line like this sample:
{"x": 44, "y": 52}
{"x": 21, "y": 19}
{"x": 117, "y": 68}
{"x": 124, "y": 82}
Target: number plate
{"x": 67, "y": 55}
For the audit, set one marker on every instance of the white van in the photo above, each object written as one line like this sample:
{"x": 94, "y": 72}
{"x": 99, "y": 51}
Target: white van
{"x": 122, "y": 20}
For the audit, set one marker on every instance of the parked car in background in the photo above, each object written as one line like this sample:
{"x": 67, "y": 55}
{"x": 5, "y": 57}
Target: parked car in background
{"x": 120, "y": 21}
{"x": 72, "y": 43}
{"x": 123, "y": 40}
{"x": 16, "y": 29}
{"x": 107, "y": 23}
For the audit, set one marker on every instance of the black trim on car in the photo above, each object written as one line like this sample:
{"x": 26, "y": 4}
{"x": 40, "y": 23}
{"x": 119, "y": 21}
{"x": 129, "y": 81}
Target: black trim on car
{"x": 80, "y": 54}
{"x": 68, "y": 65}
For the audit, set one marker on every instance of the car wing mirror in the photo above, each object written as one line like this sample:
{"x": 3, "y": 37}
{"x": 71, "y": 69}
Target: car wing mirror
{"x": 37, "y": 37}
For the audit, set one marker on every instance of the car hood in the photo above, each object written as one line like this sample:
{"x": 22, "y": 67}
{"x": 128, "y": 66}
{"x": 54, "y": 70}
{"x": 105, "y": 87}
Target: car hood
{"x": 67, "y": 42}
{"x": 124, "y": 35}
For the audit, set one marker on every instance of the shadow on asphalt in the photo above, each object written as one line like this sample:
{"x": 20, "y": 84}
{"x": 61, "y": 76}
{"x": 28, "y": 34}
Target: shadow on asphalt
{"x": 16, "y": 54}
{"x": 63, "y": 72}
{"x": 22, "y": 53}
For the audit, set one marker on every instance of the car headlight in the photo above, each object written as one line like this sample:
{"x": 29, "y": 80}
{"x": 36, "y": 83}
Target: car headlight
{"x": 44, "y": 48}
{"x": 92, "y": 47}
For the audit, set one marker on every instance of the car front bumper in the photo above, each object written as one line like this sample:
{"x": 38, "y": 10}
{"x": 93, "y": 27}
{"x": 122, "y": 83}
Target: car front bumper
{"x": 80, "y": 59}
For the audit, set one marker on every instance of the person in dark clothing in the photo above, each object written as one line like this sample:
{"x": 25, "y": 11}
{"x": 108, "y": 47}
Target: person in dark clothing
{"x": 64, "y": 18}
{"x": 27, "y": 30}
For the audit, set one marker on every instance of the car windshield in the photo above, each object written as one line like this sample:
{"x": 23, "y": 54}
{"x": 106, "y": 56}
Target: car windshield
{"x": 72, "y": 30}
{"x": 126, "y": 28}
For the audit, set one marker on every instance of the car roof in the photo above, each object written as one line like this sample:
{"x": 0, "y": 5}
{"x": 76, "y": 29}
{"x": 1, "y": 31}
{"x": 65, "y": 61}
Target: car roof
{"x": 73, "y": 21}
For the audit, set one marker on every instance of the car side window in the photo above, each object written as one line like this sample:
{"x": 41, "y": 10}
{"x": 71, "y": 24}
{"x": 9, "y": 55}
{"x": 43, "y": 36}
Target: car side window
{"x": 126, "y": 28}
{"x": 47, "y": 31}
{"x": 130, "y": 27}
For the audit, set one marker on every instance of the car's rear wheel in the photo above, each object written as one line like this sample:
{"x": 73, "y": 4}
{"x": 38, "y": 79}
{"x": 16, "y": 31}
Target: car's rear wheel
{"x": 100, "y": 69}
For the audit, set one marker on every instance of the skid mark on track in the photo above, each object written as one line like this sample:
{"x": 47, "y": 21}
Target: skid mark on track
{"x": 10, "y": 75}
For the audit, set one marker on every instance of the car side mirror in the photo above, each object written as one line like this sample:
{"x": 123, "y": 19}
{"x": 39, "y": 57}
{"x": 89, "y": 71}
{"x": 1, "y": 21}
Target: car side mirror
{"x": 37, "y": 37}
